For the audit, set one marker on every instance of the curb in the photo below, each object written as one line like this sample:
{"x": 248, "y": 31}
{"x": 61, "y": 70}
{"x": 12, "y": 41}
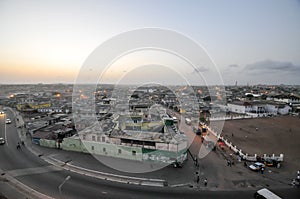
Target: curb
{"x": 106, "y": 176}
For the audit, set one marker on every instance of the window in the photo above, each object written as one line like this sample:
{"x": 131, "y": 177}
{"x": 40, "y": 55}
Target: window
{"x": 83, "y": 137}
{"x": 93, "y": 138}
{"x": 92, "y": 147}
{"x": 103, "y": 139}
{"x": 98, "y": 139}
{"x": 104, "y": 150}
{"x": 134, "y": 153}
{"x": 119, "y": 151}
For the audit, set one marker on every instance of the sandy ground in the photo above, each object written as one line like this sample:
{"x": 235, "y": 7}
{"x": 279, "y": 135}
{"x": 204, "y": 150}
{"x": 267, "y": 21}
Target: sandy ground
{"x": 274, "y": 135}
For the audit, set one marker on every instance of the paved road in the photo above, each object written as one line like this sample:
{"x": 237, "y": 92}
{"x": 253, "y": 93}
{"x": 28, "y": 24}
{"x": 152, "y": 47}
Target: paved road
{"x": 39, "y": 175}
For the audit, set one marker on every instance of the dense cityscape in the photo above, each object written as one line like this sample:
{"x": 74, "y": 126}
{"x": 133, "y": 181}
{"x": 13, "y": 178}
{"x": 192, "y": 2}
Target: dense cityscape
{"x": 155, "y": 126}
{"x": 149, "y": 99}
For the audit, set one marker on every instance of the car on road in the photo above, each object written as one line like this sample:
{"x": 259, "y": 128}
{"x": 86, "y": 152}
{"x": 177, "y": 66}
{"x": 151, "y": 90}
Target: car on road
{"x": 8, "y": 121}
{"x": 2, "y": 141}
{"x": 265, "y": 194}
{"x": 257, "y": 166}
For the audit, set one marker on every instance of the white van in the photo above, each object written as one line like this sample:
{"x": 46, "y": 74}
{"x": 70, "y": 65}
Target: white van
{"x": 265, "y": 194}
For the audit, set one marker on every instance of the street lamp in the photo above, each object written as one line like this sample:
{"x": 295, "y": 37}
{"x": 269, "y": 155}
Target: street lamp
{"x": 5, "y": 128}
{"x": 2, "y": 114}
{"x": 60, "y": 186}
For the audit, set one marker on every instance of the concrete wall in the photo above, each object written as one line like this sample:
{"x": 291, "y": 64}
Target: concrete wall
{"x": 122, "y": 151}
{"x": 48, "y": 143}
{"x": 119, "y": 151}
{"x": 100, "y": 148}
{"x": 73, "y": 144}
{"x": 273, "y": 109}
{"x": 236, "y": 108}
{"x": 285, "y": 110}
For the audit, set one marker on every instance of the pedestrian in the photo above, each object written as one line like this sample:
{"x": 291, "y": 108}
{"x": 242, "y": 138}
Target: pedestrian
{"x": 18, "y": 146}
{"x": 198, "y": 179}
{"x": 245, "y": 164}
{"x": 294, "y": 182}
{"x": 205, "y": 182}
{"x": 278, "y": 165}
{"x": 298, "y": 172}
{"x": 298, "y": 178}
{"x": 262, "y": 170}
{"x": 228, "y": 162}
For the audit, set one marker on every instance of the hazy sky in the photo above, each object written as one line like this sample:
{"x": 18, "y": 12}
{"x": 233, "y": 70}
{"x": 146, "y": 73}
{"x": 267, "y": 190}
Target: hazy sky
{"x": 250, "y": 41}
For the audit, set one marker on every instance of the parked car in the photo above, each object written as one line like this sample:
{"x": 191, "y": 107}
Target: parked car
{"x": 270, "y": 163}
{"x": 257, "y": 166}
{"x": 2, "y": 141}
{"x": 1, "y": 112}
{"x": 8, "y": 121}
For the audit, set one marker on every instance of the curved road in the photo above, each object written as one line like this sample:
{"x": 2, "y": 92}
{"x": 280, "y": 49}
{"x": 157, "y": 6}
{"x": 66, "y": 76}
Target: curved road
{"x": 45, "y": 178}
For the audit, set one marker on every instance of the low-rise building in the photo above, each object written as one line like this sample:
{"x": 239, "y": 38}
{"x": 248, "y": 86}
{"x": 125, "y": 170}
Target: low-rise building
{"x": 258, "y": 107}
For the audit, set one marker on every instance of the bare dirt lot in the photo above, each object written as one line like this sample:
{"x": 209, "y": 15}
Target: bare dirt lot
{"x": 274, "y": 135}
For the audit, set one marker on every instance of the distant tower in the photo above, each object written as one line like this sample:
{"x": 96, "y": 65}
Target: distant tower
{"x": 235, "y": 83}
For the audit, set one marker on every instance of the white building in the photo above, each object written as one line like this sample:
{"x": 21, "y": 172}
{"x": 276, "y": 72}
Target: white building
{"x": 239, "y": 107}
{"x": 289, "y": 99}
{"x": 259, "y": 107}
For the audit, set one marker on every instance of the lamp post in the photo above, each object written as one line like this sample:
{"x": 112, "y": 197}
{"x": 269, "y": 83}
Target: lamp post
{"x": 4, "y": 120}
{"x": 5, "y": 128}
{"x": 60, "y": 186}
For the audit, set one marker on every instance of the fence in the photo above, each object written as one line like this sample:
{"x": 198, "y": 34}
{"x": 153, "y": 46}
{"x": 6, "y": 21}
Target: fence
{"x": 243, "y": 155}
{"x": 238, "y": 117}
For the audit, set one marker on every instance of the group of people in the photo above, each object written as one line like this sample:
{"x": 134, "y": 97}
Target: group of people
{"x": 19, "y": 146}
{"x": 198, "y": 179}
{"x": 230, "y": 163}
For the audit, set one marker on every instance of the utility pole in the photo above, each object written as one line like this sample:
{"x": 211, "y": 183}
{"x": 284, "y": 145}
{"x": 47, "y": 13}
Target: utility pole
{"x": 60, "y": 186}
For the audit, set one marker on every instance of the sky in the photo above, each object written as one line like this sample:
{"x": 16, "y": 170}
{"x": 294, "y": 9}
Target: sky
{"x": 250, "y": 42}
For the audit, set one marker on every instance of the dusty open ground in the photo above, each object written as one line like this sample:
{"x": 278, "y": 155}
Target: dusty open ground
{"x": 272, "y": 135}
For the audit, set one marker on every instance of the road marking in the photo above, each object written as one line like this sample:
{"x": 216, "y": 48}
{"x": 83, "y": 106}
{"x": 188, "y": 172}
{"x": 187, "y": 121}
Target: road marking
{"x": 181, "y": 185}
{"x": 34, "y": 170}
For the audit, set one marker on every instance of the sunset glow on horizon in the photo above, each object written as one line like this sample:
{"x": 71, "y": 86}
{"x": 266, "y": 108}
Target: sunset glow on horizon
{"x": 49, "y": 41}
